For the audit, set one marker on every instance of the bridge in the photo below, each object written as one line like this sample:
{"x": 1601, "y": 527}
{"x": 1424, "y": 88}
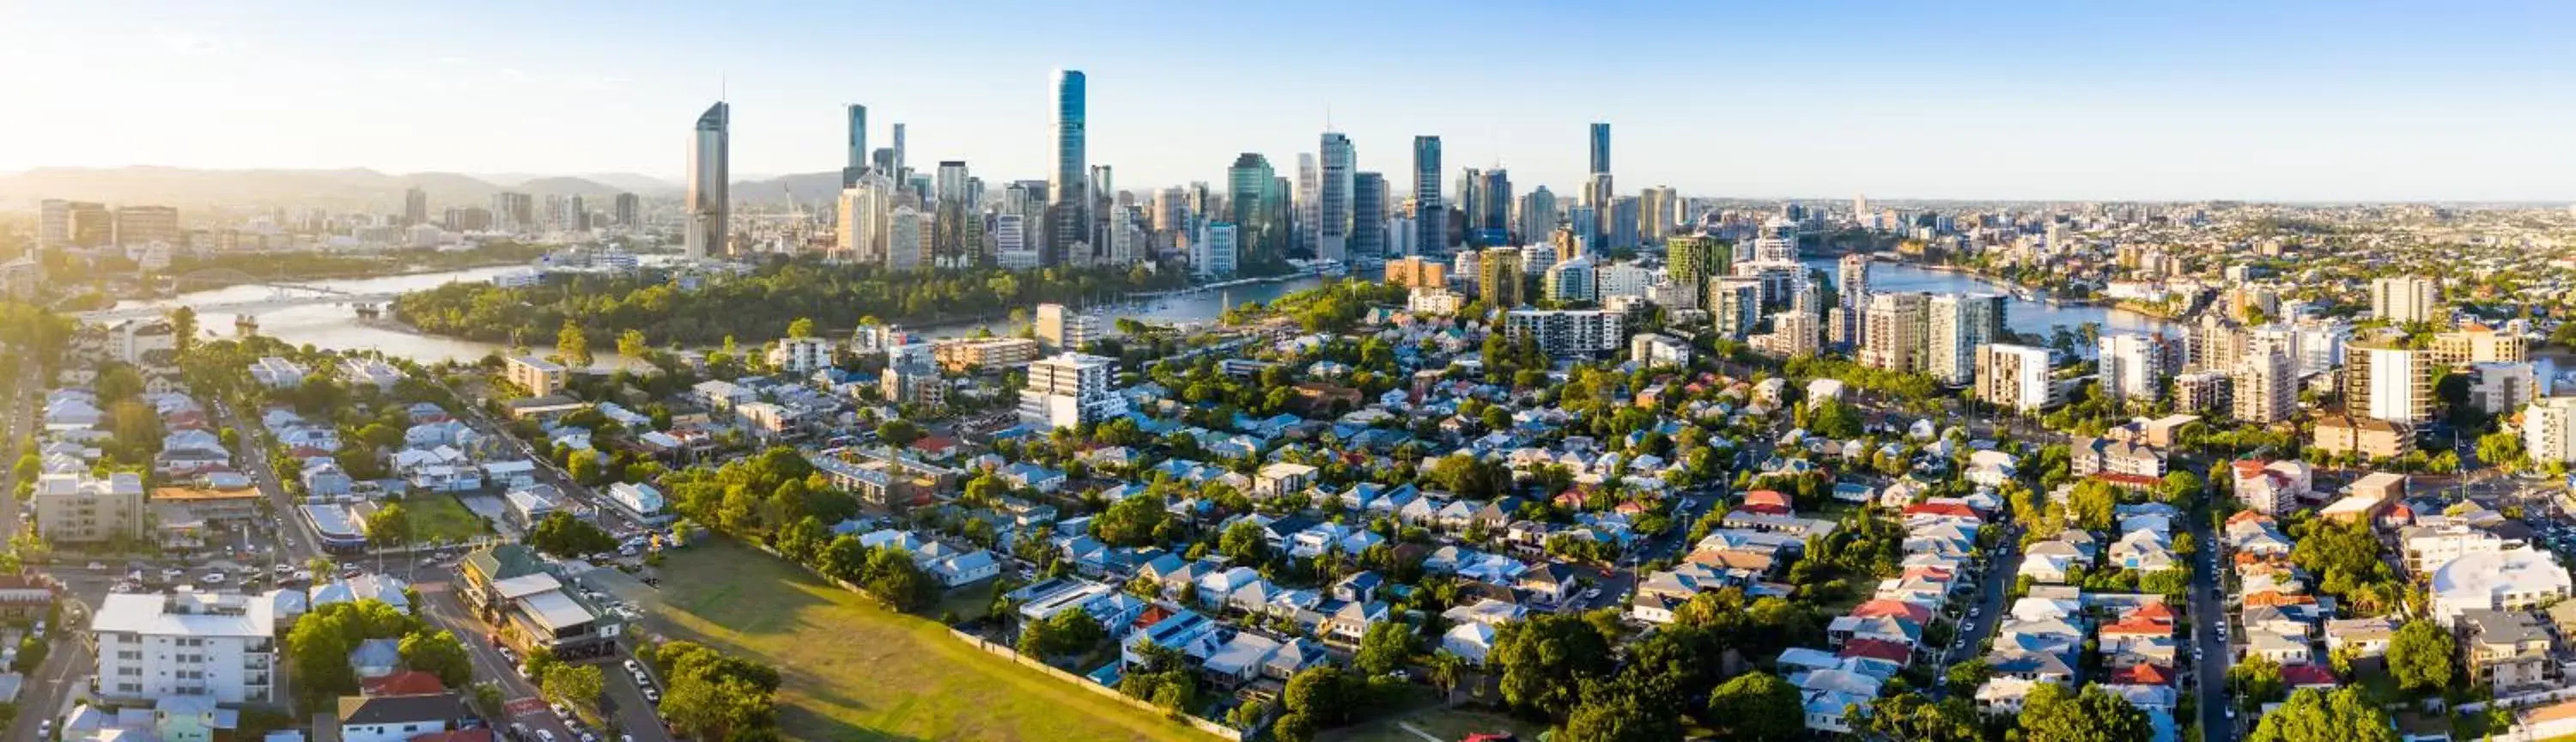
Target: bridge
{"x": 282, "y": 300}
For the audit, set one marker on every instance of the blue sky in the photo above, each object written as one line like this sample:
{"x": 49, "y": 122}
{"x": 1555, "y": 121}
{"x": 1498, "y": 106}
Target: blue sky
{"x": 2176, "y": 100}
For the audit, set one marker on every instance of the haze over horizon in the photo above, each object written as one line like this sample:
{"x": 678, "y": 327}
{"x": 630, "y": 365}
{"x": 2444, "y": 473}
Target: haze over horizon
{"x": 2001, "y": 101}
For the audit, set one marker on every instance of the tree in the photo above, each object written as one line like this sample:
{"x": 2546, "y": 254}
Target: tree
{"x": 711, "y": 696}
{"x": 1759, "y": 707}
{"x": 1131, "y": 522}
{"x": 183, "y": 329}
{"x": 1246, "y": 544}
{"x": 2053, "y": 714}
{"x": 1623, "y": 715}
{"x": 2313, "y": 715}
{"x": 1910, "y": 717}
{"x": 898, "y": 432}
{"x": 390, "y": 525}
{"x": 585, "y": 467}
{"x": 2255, "y": 681}
{"x": 1322, "y": 694}
{"x": 573, "y": 685}
{"x": 2419, "y": 657}
{"x": 1544, "y": 661}
{"x": 632, "y": 345}
{"x": 1385, "y": 648}
{"x": 893, "y": 578}
{"x": 572, "y": 345}
{"x": 562, "y": 535}
{"x": 802, "y": 327}
{"x": 438, "y": 653}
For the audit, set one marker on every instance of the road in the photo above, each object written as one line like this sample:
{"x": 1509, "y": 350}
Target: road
{"x": 1987, "y": 610}
{"x": 444, "y": 608}
{"x": 2208, "y": 612}
{"x": 296, "y": 540}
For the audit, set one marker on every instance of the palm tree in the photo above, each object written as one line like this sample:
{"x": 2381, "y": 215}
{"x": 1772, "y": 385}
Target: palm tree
{"x": 1447, "y": 668}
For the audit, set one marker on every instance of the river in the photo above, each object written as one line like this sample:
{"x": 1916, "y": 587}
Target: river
{"x": 2028, "y": 317}
{"x": 337, "y": 327}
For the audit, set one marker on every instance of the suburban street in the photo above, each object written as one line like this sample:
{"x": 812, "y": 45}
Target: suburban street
{"x": 2208, "y": 611}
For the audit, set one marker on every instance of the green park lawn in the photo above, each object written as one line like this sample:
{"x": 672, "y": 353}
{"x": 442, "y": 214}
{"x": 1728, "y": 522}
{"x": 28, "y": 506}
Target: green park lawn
{"x": 440, "y": 518}
{"x": 856, "y": 671}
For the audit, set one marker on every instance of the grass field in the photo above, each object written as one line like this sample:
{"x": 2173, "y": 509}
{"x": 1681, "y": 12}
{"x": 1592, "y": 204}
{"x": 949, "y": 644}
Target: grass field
{"x": 855, "y": 671}
{"x": 438, "y": 517}
{"x": 1446, "y": 725}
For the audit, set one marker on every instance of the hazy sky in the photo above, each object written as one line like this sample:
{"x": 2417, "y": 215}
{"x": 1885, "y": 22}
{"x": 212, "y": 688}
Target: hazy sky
{"x": 2161, "y": 100}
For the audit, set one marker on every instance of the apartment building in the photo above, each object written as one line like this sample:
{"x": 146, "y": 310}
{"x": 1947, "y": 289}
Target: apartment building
{"x": 219, "y": 646}
{"x": 73, "y": 508}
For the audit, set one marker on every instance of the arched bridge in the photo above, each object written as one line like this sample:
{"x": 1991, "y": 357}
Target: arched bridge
{"x": 282, "y": 295}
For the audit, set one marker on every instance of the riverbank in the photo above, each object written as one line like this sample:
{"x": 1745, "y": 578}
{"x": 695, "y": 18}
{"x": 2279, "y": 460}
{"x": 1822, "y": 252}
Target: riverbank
{"x": 197, "y": 281}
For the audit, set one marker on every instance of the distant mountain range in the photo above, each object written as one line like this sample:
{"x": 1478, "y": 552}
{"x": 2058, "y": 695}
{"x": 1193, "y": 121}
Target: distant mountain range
{"x": 361, "y": 189}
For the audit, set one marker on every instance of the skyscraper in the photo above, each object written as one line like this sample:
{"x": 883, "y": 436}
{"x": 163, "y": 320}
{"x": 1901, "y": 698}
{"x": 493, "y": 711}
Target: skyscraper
{"x": 865, "y": 209}
{"x": 2131, "y": 368}
{"x": 1692, "y": 260}
{"x": 415, "y": 206}
{"x": 1368, "y": 219}
{"x": 1247, "y": 189}
{"x": 1956, "y": 324}
{"x": 1335, "y": 220}
{"x": 1430, "y": 216}
{"x": 1600, "y": 148}
{"x": 902, "y": 173}
{"x": 1310, "y": 207}
{"x": 1537, "y": 215}
{"x": 957, "y": 231}
{"x": 627, "y": 209}
{"x": 708, "y": 179}
{"x": 857, "y": 161}
{"x": 1493, "y": 212}
{"x": 1071, "y": 217}
{"x": 1658, "y": 210}
{"x": 1498, "y": 277}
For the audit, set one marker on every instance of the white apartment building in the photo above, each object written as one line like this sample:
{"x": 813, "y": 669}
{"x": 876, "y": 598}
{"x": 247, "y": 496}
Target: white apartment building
{"x": 1622, "y": 279}
{"x": 1566, "y": 333}
{"x": 1793, "y": 334}
{"x": 2403, "y": 299}
{"x": 1955, "y": 325}
{"x": 1893, "y": 331}
{"x": 2265, "y": 389}
{"x": 2390, "y": 383}
{"x": 2016, "y": 376}
{"x": 1649, "y": 350}
{"x": 2132, "y": 367}
{"x": 1068, "y": 390}
{"x": 72, "y": 508}
{"x": 185, "y": 643}
{"x": 277, "y": 373}
{"x": 2549, "y": 430}
{"x": 801, "y": 355}
{"x": 1427, "y": 300}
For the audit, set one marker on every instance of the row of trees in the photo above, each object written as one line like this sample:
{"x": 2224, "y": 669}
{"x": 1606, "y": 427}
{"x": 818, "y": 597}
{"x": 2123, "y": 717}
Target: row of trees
{"x": 318, "y": 648}
{"x": 710, "y": 695}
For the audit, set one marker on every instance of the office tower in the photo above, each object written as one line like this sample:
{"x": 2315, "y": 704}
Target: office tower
{"x": 1956, "y": 324}
{"x": 1493, "y": 212}
{"x": 1619, "y": 225}
{"x": 1583, "y": 223}
{"x": 2404, "y": 299}
{"x": 1537, "y": 217}
{"x": 1171, "y": 209}
{"x": 53, "y": 223}
{"x": 2387, "y": 381}
{"x": 1367, "y": 244}
{"x": 882, "y": 160}
{"x": 1692, "y": 260}
{"x": 1895, "y": 336}
{"x": 856, "y": 161}
{"x": 2015, "y": 376}
{"x": 1471, "y": 205}
{"x": 1011, "y": 247}
{"x": 2132, "y": 368}
{"x": 709, "y": 208}
{"x": 1102, "y": 189}
{"x": 904, "y": 237}
{"x": 1070, "y": 216}
{"x": 627, "y": 209}
{"x": 957, "y": 228}
{"x": 1276, "y": 203}
{"x": 1063, "y": 330}
{"x": 513, "y": 212}
{"x": 1215, "y": 256}
{"x": 1734, "y": 306}
{"x": 579, "y": 218}
{"x": 901, "y": 169}
{"x": 1430, "y": 216}
{"x": 1657, "y": 211}
{"x": 1336, "y": 216}
{"x": 93, "y": 225}
{"x": 865, "y": 211}
{"x": 1498, "y": 277}
{"x": 137, "y": 226}
{"x": 2267, "y": 389}
{"x": 415, "y": 206}
{"x": 1127, "y": 234}
{"x": 1600, "y": 148}
{"x": 1306, "y": 209}
{"x": 1247, "y": 190}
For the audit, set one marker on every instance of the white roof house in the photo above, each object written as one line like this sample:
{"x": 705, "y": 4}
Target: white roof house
{"x": 2500, "y": 580}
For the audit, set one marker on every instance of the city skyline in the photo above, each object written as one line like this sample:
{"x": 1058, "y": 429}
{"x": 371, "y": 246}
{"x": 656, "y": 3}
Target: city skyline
{"x": 2103, "y": 104}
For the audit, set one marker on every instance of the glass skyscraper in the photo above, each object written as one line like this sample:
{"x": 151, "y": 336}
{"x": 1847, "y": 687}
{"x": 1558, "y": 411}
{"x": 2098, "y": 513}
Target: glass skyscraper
{"x": 1070, "y": 219}
{"x": 858, "y": 145}
{"x": 1600, "y": 148}
{"x": 708, "y": 152}
{"x": 1334, "y": 221}
{"x": 1368, "y": 220}
{"x": 1248, "y": 195}
{"x": 1430, "y": 216}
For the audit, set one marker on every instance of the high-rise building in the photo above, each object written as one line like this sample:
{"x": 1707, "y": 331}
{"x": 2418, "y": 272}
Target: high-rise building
{"x": 1308, "y": 208}
{"x": 1793, "y": 335}
{"x": 896, "y": 165}
{"x": 1896, "y": 330}
{"x": 2266, "y": 389}
{"x": 1276, "y": 203}
{"x": 1571, "y": 281}
{"x": 53, "y": 224}
{"x": 1694, "y": 259}
{"x": 629, "y": 210}
{"x": 1248, "y": 193}
{"x": 415, "y": 206}
{"x": 1658, "y": 209}
{"x": 856, "y": 162}
{"x": 1498, "y": 277}
{"x": 2549, "y": 430}
{"x": 1600, "y": 148}
{"x": 137, "y": 226}
{"x": 514, "y": 212}
{"x": 1777, "y": 243}
{"x": 1415, "y": 271}
{"x": 1734, "y": 306}
{"x": 1852, "y": 286}
{"x": 1566, "y": 333}
{"x": 1070, "y": 217}
{"x": 709, "y": 205}
{"x": 905, "y": 237}
{"x": 1335, "y": 220}
{"x": 2388, "y": 381}
{"x": 1368, "y": 219}
{"x": 1215, "y": 255}
{"x": 1537, "y": 215}
{"x": 957, "y": 227}
{"x": 1171, "y": 209}
{"x": 1493, "y": 211}
{"x": 2132, "y": 367}
{"x": 1430, "y": 216}
{"x": 2404, "y": 299}
{"x": 1619, "y": 225}
{"x": 1063, "y": 330}
{"x": 92, "y": 224}
{"x": 1956, "y": 324}
{"x": 1069, "y": 390}
{"x": 866, "y": 209}
{"x": 2015, "y": 376}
